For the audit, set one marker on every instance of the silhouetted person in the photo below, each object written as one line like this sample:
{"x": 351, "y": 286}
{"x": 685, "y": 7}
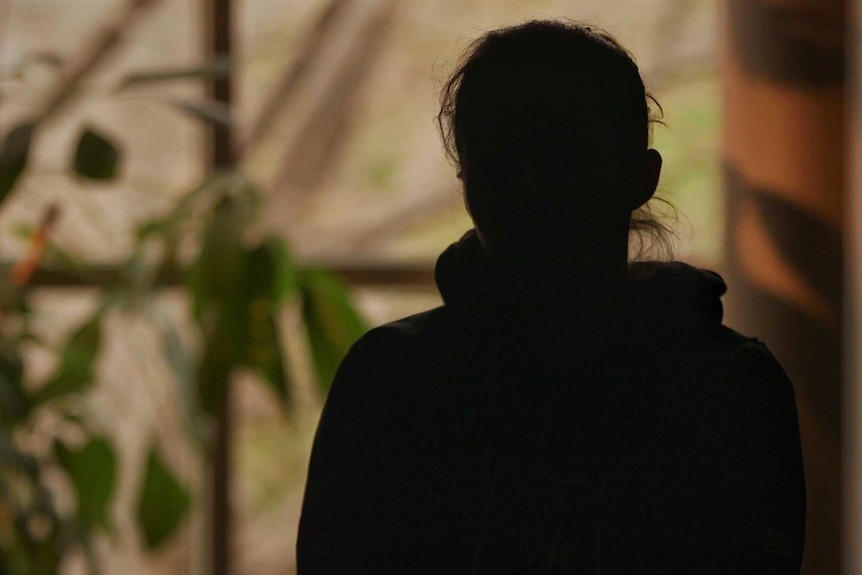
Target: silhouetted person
{"x": 565, "y": 411}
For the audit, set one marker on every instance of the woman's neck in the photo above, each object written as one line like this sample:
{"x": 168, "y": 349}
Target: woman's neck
{"x": 593, "y": 268}
{"x": 563, "y": 283}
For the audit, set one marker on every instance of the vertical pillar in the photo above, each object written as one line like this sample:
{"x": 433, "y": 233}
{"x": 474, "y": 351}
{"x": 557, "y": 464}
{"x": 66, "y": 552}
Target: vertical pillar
{"x": 784, "y": 162}
{"x": 852, "y": 454}
{"x": 220, "y": 154}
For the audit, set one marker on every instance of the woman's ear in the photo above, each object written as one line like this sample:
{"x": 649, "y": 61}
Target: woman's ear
{"x": 467, "y": 206}
{"x": 648, "y": 178}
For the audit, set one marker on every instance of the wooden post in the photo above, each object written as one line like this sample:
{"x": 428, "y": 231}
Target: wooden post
{"x": 221, "y": 157}
{"x": 784, "y": 161}
{"x": 852, "y": 504}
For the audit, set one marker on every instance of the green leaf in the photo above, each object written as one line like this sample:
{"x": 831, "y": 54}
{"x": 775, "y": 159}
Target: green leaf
{"x": 96, "y": 157}
{"x": 12, "y": 458}
{"x": 55, "y": 255}
{"x": 217, "y": 285}
{"x": 75, "y": 373}
{"x": 13, "y": 400}
{"x": 167, "y": 226}
{"x": 13, "y": 156}
{"x": 219, "y": 358}
{"x": 154, "y": 227}
{"x": 216, "y": 278}
{"x": 12, "y": 299}
{"x": 163, "y": 502}
{"x": 215, "y": 69}
{"x": 92, "y": 470}
{"x": 271, "y": 271}
{"x": 331, "y": 322}
{"x": 268, "y": 357}
{"x": 22, "y": 230}
{"x": 264, "y": 284}
{"x": 285, "y": 277}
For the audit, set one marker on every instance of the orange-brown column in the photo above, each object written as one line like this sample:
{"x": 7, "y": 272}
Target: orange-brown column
{"x": 851, "y": 506}
{"x": 784, "y": 156}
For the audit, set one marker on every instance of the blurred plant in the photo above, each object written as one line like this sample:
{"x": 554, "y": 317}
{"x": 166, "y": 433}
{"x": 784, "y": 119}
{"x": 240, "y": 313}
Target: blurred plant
{"x": 34, "y": 536}
{"x": 237, "y": 279}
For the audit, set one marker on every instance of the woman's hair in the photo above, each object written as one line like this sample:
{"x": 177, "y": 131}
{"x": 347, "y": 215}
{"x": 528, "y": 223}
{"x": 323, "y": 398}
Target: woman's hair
{"x": 541, "y": 120}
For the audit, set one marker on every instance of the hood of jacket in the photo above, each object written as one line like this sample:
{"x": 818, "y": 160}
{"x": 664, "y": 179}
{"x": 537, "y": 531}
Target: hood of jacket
{"x": 667, "y": 297}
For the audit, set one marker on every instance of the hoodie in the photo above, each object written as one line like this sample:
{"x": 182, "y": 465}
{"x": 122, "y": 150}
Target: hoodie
{"x": 504, "y": 433}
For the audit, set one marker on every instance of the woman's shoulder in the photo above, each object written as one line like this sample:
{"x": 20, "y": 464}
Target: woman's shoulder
{"x": 747, "y": 367}
{"x": 429, "y": 330}
{"x": 747, "y": 351}
{"x": 391, "y": 351}
{"x": 722, "y": 364}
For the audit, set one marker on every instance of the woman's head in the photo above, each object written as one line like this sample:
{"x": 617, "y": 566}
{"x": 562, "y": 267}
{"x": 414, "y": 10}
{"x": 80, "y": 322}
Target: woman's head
{"x": 549, "y": 125}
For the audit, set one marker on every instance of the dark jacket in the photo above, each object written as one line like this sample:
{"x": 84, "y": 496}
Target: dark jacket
{"x": 497, "y": 434}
